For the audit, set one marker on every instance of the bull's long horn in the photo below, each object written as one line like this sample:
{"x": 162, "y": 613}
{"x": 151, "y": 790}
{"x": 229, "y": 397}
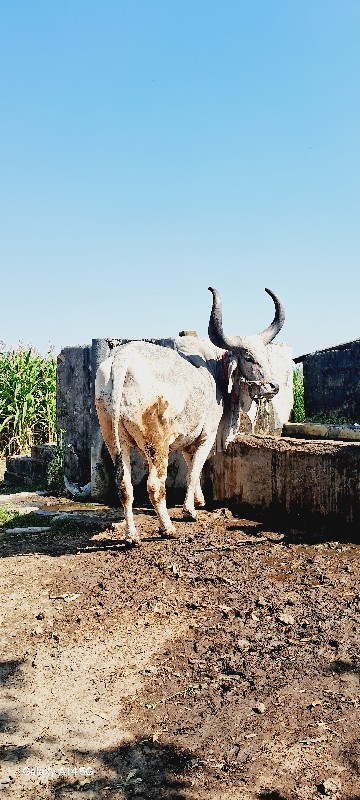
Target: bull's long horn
{"x": 215, "y": 331}
{"x": 269, "y": 333}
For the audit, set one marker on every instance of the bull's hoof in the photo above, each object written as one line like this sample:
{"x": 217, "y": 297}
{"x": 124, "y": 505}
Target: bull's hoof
{"x": 133, "y": 541}
{"x": 169, "y": 532}
{"x": 199, "y": 500}
{"x": 189, "y": 512}
{"x": 118, "y": 527}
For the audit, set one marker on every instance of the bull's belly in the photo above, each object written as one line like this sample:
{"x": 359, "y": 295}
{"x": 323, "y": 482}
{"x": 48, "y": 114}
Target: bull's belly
{"x": 185, "y": 441}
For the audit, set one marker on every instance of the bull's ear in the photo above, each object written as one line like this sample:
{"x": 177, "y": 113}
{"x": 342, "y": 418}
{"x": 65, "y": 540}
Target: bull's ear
{"x": 232, "y": 366}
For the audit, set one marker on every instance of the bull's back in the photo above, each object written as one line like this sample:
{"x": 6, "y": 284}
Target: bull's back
{"x": 154, "y": 371}
{"x": 161, "y": 385}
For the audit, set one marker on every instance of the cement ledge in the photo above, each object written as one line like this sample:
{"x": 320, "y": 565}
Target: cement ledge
{"x": 316, "y": 430}
{"x": 288, "y": 443}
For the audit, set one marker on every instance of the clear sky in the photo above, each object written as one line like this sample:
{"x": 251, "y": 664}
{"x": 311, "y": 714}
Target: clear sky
{"x": 151, "y": 148}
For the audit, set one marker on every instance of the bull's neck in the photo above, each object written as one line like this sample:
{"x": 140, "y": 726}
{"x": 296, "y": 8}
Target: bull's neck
{"x": 216, "y": 367}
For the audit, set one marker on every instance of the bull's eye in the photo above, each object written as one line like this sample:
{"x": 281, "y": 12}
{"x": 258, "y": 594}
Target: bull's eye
{"x": 249, "y": 359}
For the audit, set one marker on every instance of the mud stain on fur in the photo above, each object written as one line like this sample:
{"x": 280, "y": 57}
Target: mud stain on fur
{"x": 156, "y": 431}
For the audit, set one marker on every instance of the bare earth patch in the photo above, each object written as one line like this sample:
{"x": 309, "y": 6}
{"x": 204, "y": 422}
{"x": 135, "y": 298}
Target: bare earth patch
{"x": 220, "y": 664}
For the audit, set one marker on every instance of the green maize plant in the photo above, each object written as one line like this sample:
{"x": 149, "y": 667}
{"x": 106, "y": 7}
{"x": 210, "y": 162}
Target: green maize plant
{"x": 27, "y": 399}
{"x": 298, "y": 412}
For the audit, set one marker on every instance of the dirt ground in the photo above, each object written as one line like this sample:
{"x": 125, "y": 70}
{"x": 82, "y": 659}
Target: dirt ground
{"x": 223, "y": 663}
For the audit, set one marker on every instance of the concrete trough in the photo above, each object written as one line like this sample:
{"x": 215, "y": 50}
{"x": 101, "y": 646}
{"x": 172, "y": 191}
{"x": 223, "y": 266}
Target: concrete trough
{"x": 310, "y": 483}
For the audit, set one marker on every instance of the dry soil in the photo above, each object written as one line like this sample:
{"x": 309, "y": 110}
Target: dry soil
{"x": 223, "y": 663}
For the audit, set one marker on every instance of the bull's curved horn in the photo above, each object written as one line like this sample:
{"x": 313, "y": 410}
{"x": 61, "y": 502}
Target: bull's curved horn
{"x": 269, "y": 333}
{"x": 215, "y": 330}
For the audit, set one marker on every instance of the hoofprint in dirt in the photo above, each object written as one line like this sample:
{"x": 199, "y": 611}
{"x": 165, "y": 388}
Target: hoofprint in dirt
{"x": 220, "y": 664}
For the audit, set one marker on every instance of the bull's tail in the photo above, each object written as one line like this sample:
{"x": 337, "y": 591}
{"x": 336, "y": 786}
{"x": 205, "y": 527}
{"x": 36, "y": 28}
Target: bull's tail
{"x": 118, "y": 374}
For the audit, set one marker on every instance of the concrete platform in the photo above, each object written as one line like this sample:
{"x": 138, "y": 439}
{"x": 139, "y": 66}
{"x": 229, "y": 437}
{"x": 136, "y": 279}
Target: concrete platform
{"x": 31, "y": 469}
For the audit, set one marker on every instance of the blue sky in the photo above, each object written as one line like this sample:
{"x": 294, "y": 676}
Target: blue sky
{"x": 151, "y": 148}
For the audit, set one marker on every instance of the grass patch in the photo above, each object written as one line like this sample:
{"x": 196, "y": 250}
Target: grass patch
{"x": 28, "y": 520}
{"x": 8, "y": 516}
{"x": 11, "y": 518}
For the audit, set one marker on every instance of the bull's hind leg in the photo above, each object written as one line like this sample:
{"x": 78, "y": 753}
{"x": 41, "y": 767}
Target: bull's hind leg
{"x": 156, "y": 431}
{"x": 124, "y": 485}
{"x": 121, "y": 461}
{"x": 125, "y": 489}
{"x": 157, "y": 491}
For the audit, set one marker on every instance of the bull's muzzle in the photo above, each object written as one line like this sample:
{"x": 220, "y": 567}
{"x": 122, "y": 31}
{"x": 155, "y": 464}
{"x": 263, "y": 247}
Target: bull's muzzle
{"x": 263, "y": 391}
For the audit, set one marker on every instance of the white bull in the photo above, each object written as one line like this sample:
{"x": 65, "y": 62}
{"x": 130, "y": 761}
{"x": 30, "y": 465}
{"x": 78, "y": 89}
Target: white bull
{"x": 158, "y": 400}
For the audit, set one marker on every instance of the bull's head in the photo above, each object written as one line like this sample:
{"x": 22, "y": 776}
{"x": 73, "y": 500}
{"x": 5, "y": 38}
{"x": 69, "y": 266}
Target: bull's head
{"x": 249, "y": 355}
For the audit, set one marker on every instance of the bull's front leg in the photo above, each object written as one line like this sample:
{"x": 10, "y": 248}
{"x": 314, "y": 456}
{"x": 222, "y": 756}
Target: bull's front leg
{"x": 194, "y": 493}
{"x": 199, "y": 499}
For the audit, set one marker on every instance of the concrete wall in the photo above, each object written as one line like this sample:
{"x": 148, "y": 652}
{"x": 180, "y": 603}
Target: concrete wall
{"x": 102, "y": 471}
{"x": 73, "y": 410}
{"x": 332, "y": 381}
{"x": 316, "y": 482}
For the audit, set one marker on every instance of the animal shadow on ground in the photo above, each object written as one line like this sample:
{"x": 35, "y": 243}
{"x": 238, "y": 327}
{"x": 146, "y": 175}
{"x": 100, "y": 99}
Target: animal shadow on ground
{"x": 59, "y": 545}
{"x": 144, "y": 770}
{"x": 8, "y": 670}
{"x": 342, "y": 667}
{"x": 274, "y": 795}
{"x": 10, "y": 753}
{"x": 271, "y": 796}
{"x": 296, "y": 528}
{"x": 73, "y": 536}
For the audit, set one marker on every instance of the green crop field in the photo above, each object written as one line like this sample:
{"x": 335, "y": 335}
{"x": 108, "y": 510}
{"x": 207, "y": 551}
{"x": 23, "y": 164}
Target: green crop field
{"x": 27, "y": 399}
